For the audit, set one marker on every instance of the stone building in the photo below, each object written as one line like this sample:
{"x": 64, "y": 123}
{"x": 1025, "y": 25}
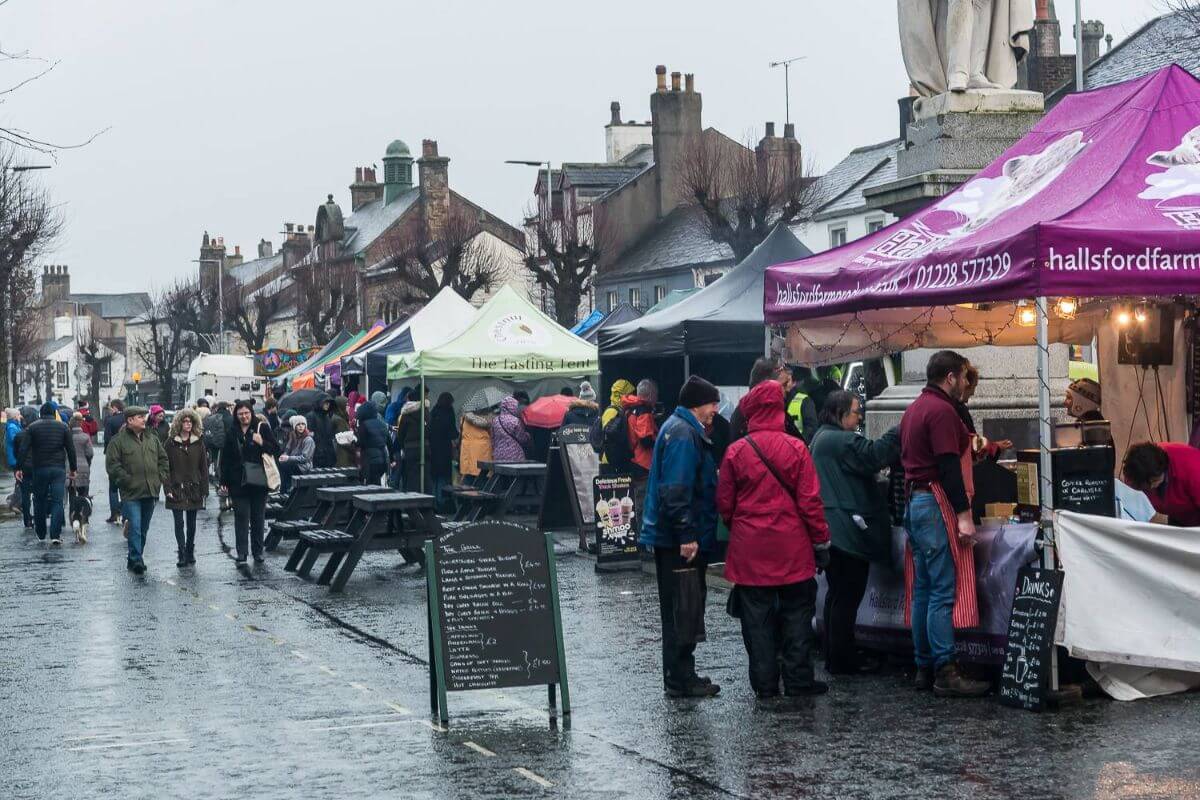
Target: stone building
{"x": 1046, "y": 68}
{"x": 70, "y": 321}
{"x": 840, "y": 212}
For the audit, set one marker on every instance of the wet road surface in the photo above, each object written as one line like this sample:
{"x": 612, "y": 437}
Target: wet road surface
{"x": 206, "y": 683}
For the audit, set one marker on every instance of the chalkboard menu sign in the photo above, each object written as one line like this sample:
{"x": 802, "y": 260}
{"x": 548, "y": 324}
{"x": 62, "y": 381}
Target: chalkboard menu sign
{"x": 1026, "y": 675}
{"x": 570, "y": 467}
{"x": 617, "y": 523}
{"x": 1083, "y": 479}
{"x": 493, "y": 611}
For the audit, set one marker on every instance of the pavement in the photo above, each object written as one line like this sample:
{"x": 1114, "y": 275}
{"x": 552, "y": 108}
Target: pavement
{"x": 206, "y": 683}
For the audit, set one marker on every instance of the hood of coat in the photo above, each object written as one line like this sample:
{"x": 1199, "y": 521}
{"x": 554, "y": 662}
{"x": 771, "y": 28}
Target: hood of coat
{"x": 619, "y": 389}
{"x": 763, "y": 407}
{"x": 633, "y": 401}
{"x": 339, "y": 407}
{"x": 176, "y": 431}
{"x": 578, "y": 403}
{"x": 509, "y": 405}
{"x": 380, "y": 400}
{"x": 367, "y": 412}
{"x": 412, "y": 407}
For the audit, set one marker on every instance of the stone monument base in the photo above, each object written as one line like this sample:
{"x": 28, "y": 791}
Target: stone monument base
{"x": 979, "y": 101}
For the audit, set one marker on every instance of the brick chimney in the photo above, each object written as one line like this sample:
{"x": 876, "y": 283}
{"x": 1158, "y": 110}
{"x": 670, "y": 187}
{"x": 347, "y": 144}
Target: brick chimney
{"x": 265, "y": 249}
{"x": 1047, "y": 31}
{"x": 433, "y": 171}
{"x": 296, "y": 243}
{"x": 56, "y": 283}
{"x": 675, "y": 130}
{"x": 235, "y": 259}
{"x": 1093, "y": 34}
{"x": 212, "y": 259}
{"x": 777, "y": 157}
{"x": 365, "y": 188}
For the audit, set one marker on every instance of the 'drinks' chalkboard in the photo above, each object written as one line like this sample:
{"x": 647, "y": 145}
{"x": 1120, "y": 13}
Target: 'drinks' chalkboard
{"x": 494, "y": 617}
{"x": 1026, "y": 674}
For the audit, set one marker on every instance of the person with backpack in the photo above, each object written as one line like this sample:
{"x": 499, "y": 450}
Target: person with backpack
{"x": 769, "y": 496}
{"x": 216, "y": 428}
{"x": 583, "y": 409}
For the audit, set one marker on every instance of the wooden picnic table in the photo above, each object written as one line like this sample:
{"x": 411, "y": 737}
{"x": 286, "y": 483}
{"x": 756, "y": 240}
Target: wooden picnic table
{"x": 379, "y": 521}
{"x": 301, "y": 502}
{"x": 507, "y": 482}
{"x": 329, "y": 511}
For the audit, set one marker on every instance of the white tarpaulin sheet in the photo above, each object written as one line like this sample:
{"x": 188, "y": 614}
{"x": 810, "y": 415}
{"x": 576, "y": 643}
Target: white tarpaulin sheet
{"x": 1131, "y": 594}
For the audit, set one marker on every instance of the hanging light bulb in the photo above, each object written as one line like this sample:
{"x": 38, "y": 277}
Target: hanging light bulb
{"x": 1124, "y": 317}
{"x": 1066, "y": 307}
{"x": 1026, "y": 315}
{"x": 1140, "y": 314}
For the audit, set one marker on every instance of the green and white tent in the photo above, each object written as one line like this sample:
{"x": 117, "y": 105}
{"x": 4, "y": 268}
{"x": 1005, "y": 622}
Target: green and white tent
{"x": 510, "y": 340}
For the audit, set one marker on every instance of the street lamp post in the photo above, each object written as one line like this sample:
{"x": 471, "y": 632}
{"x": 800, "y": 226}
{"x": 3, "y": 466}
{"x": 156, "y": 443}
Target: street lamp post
{"x": 1079, "y": 45}
{"x": 549, "y": 195}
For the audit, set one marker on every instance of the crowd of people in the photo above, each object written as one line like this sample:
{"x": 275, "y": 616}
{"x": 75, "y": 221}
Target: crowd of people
{"x": 789, "y": 474}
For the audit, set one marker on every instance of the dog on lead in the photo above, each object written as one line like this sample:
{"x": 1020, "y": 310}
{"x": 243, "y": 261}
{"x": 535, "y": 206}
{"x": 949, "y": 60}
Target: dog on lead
{"x": 81, "y": 512}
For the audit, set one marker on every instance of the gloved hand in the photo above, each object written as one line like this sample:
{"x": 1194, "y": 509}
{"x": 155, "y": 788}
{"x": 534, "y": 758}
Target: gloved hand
{"x": 822, "y": 555}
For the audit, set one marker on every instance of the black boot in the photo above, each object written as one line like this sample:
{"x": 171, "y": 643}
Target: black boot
{"x": 191, "y": 554}
{"x": 181, "y": 559}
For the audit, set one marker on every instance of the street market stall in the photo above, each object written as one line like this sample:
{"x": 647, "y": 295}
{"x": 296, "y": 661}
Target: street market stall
{"x": 309, "y": 378}
{"x": 510, "y": 343}
{"x": 335, "y": 345}
{"x": 441, "y": 319}
{"x": 716, "y": 332}
{"x": 1087, "y": 229}
{"x": 621, "y": 314}
{"x": 333, "y": 370}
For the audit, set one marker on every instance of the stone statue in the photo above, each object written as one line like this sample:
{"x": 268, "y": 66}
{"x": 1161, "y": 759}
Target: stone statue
{"x": 962, "y": 45}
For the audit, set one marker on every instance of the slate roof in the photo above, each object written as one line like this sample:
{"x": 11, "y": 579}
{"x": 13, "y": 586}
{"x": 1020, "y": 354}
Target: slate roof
{"x": 642, "y": 154}
{"x": 130, "y": 304}
{"x": 250, "y": 271}
{"x": 1169, "y": 39}
{"x": 602, "y": 175}
{"x": 840, "y": 190}
{"x": 368, "y": 223}
{"x": 52, "y": 346}
{"x": 680, "y": 240}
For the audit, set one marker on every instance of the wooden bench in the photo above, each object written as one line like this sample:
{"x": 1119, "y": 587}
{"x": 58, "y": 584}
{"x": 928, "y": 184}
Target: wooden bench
{"x": 301, "y": 502}
{"x": 380, "y": 521}
{"x": 330, "y": 511}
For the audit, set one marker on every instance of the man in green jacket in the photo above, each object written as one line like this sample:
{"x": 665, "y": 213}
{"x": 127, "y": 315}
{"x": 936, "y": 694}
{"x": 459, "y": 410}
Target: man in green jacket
{"x": 137, "y": 465}
{"x": 859, "y": 525}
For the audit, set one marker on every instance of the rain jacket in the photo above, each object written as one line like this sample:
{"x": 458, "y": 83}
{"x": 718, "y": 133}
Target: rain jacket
{"x": 847, "y": 465}
{"x": 772, "y": 530}
{"x": 320, "y": 425}
{"x": 642, "y": 430}
{"x": 476, "y": 443}
{"x": 11, "y": 429}
{"x": 581, "y": 412}
{"x": 346, "y": 453}
{"x": 187, "y": 473}
{"x": 47, "y": 443}
{"x": 620, "y": 388}
{"x": 240, "y": 449}
{"x": 300, "y": 451}
{"x": 137, "y": 466}
{"x": 509, "y": 436}
{"x": 442, "y": 433}
{"x": 372, "y": 437}
{"x": 83, "y": 457}
{"x": 681, "y": 491}
{"x": 112, "y": 426}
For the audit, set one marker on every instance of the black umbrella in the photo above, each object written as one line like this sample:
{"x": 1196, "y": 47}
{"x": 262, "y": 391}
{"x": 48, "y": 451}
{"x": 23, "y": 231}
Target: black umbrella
{"x": 302, "y": 401}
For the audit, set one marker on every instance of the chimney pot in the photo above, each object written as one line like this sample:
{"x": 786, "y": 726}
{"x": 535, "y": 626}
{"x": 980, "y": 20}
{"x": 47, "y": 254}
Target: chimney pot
{"x": 1043, "y": 9}
{"x": 660, "y": 77}
{"x": 689, "y": 83}
{"x": 675, "y": 76}
{"x": 358, "y": 174}
{"x": 287, "y": 226}
{"x": 770, "y": 130}
{"x": 429, "y": 148}
{"x": 311, "y": 228}
{"x": 237, "y": 249}
{"x": 615, "y": 108}
{"x": 789, "y": 130}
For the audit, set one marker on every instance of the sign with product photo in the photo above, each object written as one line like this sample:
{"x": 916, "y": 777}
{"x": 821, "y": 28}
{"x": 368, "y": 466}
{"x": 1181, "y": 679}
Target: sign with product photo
{"x": 617, "y": 522}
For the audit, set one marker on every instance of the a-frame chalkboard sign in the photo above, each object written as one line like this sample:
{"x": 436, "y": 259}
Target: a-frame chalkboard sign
{"x": 1026, "y": 675}
{"x": 571, "y": 466}
{"x": 494, "y": 617}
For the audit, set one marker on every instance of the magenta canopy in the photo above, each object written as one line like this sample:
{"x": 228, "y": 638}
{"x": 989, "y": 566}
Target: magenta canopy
{"x": 1100, "y": 199}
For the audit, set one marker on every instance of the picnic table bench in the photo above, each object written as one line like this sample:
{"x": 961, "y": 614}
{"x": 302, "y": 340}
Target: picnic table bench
{"x": 506, "y": 486}
{"x": 301, "y": 501}
{"x": 379, "y": 521}
{"x": 332, "y": 503}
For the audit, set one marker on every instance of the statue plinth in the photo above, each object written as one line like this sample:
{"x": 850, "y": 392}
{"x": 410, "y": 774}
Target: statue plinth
{"x": 979, "y": 101}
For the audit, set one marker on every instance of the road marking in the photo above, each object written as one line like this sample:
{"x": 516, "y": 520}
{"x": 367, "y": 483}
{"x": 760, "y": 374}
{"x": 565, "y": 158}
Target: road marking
{"x": 533, "y": 776}
{"x": 360, "y": 687}
{"x": 125, "y": 744}
{"x": 230, "y": 616}
{"x": 214, "y": 608}
{"x": 435, "y": 727}
{"x": 119, "y": 735}
{"x": 326, "y": 670}
{"x": 360, "y": 725}
{"x": 171, "y": 582}
{"x": 278, "y": 641}
{"x": 299, "y": 655}
{"x": 478, "y": 748}
{"x": 398, "y": 709}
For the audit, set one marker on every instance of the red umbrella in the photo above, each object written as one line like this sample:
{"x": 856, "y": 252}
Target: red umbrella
{"x": 547, "y": 412}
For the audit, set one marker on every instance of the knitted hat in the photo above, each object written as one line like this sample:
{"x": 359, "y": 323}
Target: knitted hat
{"x": 1086, "y": 387}
{"x": 155, "y": 409}
{"x": 49, "y": 409}
{"x": 586, "y": 392}
{"x": 697, "y": 392}
{"x": 297, "y": 420}
{"x": 135, "y": 411}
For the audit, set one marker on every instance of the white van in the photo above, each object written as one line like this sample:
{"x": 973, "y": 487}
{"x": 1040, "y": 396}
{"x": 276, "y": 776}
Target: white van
{"x": 222, "y": 377}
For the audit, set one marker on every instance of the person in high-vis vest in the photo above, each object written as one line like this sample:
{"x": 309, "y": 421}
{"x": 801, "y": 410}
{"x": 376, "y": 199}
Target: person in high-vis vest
{"x": 802, "y": 412}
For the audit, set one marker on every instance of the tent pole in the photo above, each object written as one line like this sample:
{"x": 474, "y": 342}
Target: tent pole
{"x": 687, "y": 367}
{"x": 766, "y": 341}
{"x": 1045, "y": 487}
{"x": 421, "y": 399}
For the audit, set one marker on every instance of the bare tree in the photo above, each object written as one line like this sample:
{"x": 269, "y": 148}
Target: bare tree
{"x": 1189, "y": 10}
{"x": 20, "y": 327}
{"x": 92, "y": 360}
{"x": 28, "y": 225}
{"x": 249, "y": 314}
{"x": 562, "y": 255}
{"x": 326, "y": 295}
{"x": 743, "y": 193}
{"x": 419, "y": 262}
{"x": 169, "y": 317}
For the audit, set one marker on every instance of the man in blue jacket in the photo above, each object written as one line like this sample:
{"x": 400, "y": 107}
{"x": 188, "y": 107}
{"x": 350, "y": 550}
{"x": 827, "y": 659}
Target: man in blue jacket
{"x": 680, "y": 523}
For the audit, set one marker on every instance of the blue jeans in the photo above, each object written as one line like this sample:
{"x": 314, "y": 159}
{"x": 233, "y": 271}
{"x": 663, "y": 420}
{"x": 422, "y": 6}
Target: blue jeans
{"x": 933, "y": 582}
{"x": 137, "y": 514}
{"x": 49, "y": 488}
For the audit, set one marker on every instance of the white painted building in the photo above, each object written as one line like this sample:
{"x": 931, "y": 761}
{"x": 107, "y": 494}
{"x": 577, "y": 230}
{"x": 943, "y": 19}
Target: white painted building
{"x": 63, "y": 374}
{"x": 840, "y": 212}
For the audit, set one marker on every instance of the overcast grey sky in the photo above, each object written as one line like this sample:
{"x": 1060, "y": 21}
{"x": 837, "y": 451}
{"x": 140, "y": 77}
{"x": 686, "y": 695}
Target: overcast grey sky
{"x": 234, "y": 116}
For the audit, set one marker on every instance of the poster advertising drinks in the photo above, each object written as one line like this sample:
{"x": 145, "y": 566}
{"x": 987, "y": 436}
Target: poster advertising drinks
{"x": 617, "y": 521}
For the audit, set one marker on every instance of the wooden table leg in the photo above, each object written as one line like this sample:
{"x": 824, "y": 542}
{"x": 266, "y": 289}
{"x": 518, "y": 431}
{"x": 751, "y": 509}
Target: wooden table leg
{"x": 362, "y": 538}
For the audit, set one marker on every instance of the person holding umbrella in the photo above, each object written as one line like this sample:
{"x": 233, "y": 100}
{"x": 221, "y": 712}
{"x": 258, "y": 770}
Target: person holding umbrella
{"x": 475, "y": 441}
